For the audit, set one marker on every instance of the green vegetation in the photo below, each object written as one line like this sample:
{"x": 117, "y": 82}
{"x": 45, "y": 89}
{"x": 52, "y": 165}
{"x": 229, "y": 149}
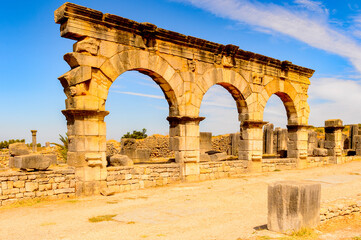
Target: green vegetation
{"x": 102, "y": 218}
{"x": 136, "y": 134}
{"x": 356, "y": 238}
{"x": 5, "y": 144}
{"x": 63, "y": 148}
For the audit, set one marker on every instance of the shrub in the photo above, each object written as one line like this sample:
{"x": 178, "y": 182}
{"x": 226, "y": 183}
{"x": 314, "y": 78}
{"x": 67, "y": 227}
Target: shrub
{"x": 5, "y": 144}
{"x": 63, "y": 148}
{"x": 136, "y": 134}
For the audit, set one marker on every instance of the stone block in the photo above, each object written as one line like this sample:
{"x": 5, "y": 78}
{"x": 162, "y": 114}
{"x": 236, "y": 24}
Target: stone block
{"x": 52, "y": 158}
{"x": 120, "y": 160}
{"x": 32, "y": 161}
{"x": 320, "y": 152}
{"x": 18, "y": 149}
{"x": 333, "y": 123}
{"x": 218, "y": 156}
{"x": 293, "y": 205}
{"x": 205, "y": 141}
{"x": 204, "y": 157}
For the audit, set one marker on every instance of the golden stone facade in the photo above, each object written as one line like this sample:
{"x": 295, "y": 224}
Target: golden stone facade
{"x": 184, "y": 67}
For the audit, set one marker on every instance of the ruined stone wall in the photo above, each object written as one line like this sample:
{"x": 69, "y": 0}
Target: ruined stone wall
{"x": 127, "y": 178}
{"x": 222, "y": 143}
{"x": 158, "y": 144}
{"x": 275, "y": 164}
{"x": 17, "y": 186}
{"x": 223, "y": 169}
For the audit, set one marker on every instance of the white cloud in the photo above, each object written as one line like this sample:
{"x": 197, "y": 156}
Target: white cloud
{"x": 334, "y": 98}
{"x": 309, "y": 27}
{"x": 313, "y": 6}
{"x": 139, "y": 94}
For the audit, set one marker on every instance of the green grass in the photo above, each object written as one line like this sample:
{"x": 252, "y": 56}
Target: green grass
{"x": 356, "y": 238}
{"x": 102, "y": 218}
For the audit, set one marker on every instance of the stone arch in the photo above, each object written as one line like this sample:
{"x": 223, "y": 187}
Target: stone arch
{"x": 232, "y": 81}
{"x": 288, "y": 95}
{"x": 151, "y": 65}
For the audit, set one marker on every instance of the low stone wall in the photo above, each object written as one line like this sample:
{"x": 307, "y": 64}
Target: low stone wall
{"x": 222, "y": 169}
{"x": 127, "y": 178}
{"x": 17, "y": 186}
{"x": 4, "y": 158}
{"x": 341, "y": 207}
{"x": 274, "y": 164}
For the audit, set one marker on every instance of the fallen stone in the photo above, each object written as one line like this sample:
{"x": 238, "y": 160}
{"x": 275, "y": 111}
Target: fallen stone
{"x": 120, "y": 160}
{"x": 106, "y": 192}
{"x": 293, "y": 205}
{"x": 218, "y": 156}
{"x": 203, "y": 157}
{"x": 52, "y": 158}
{"x": 18, "y": 149}
{"x": 31, "y": 161}
{"x": 320, "y": 152}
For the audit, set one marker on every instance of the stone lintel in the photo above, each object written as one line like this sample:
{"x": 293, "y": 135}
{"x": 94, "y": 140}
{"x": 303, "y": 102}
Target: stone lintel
{"x": 151, "y": 32}
{"x": 253, "y": 123}
{"x": 334, "y": 124}
{"x": 184, "y": 119}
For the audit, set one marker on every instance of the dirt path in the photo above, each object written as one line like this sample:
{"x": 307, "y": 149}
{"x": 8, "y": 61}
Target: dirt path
{"x": 221, "y": 209}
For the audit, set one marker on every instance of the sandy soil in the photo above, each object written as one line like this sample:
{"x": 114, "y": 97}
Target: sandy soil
{"x": 225, "y": 209}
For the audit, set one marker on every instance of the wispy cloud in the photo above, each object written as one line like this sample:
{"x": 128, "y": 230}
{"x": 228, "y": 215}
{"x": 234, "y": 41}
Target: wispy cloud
{"x": 139, "y": 94}
{"x": 311, "y": 27}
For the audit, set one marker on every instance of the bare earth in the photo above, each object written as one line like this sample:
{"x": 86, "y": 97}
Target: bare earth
{"x": 228, "y": 209}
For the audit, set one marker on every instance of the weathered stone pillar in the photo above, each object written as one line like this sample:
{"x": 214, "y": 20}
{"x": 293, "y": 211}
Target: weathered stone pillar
{"x": 358, "y": 145}
{"x": 297, "y": 144}
{"x": 251, "y": 142}
{"x": 280, "y": 142}
{"x": 86, "y": 149}
{"x": 35, "y": 147}
{"x": 333, "y": 138}
{"x": 312, "y": 142}
{"x": 268, "y": 138}
{"x": 184, "y": 141}
{"x": 353, "y": 132}
{"x": 293, "y": 205}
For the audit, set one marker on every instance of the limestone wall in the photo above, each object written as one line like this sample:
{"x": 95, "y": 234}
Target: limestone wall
{"x": 127, "y": 178}
{"x": 223, "y": 169}
{"x": 25, "y": 185}
{"x": 274, "y": 164}
{"x": 222, "y": 143}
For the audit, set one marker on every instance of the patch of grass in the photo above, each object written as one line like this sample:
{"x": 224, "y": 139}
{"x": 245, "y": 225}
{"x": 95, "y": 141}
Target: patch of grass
{"x": 356, "y": 238}
{"x": 112, "y": 202}
{"x": 24, "y": 203}
{"x": 144, "y": 236}
{"x": 277, "y": 170}
{"x": 160, "y": 235}
{"x": 72, "y": 200}
{"x": 131, "y": 222}
{"x": 47, "y": 224}
{"x": 102, "y": 218}
{"x": 302, "y": 234}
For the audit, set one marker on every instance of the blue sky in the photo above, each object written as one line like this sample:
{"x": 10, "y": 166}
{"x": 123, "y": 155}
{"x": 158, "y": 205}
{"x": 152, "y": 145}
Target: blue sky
{"x": 322, "y": 35}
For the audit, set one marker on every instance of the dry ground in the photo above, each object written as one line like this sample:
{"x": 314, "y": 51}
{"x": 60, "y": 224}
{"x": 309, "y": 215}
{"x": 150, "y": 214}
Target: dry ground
{"x": 225, "y": 209}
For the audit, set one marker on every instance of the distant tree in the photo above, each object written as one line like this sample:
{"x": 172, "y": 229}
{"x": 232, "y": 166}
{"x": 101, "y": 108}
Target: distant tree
{"x": 136, "y": 134}
{"x": 5, "y": 144}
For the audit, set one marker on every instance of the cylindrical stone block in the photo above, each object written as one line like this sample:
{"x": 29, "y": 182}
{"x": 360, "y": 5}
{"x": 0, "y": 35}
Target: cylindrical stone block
{"x": 33, "y": 134}
{"x": 293, "y": 205}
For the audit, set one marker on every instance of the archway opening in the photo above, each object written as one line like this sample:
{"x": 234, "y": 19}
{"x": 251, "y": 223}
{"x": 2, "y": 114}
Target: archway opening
{"x": 138, "y": 109}
{"x": 275, "y": 131}
{"x": 222, "y": 105}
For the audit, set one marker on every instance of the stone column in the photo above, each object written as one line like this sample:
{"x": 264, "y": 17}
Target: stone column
{"x": 297, "y": 144}
{"x": 333, "y": 137}
{"x": 280, "y": 141}
{"x": 251, "y": 143}
{"x": 184, "y": 141}
{"x": 86, "y": 149}
{"x": 353, "y": 132}
{"x": 268, "y": 138}
{"x": 33, "y": 133}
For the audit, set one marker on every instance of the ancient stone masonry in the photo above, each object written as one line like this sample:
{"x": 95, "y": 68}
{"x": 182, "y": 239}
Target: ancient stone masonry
{"x": 185, "y": 68}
